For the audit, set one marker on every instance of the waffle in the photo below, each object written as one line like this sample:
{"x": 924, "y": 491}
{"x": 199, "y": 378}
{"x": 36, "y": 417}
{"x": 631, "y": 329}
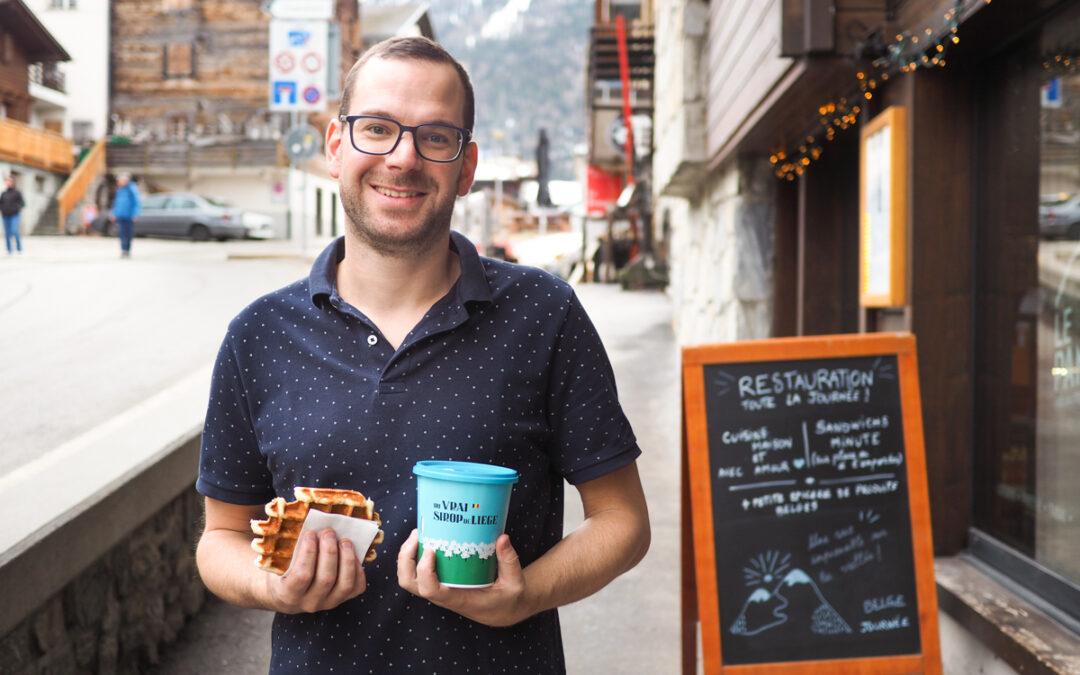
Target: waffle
{"x": 276, "y": 536}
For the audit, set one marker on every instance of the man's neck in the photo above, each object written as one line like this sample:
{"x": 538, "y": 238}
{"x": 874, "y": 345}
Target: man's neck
{"x": 380, "y": 284}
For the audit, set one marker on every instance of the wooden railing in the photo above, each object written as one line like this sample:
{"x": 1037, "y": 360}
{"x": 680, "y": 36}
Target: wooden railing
{"x": 75, "y": 187}
{"x": 143, "y": 157}
{"x": 38, "y": 148}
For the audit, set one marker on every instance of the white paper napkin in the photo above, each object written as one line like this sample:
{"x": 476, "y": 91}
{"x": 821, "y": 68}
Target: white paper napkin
{"x": 357, "y": 530}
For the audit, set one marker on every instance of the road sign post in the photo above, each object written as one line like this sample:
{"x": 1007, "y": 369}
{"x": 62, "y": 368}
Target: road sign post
{"x": 302, "y": 142}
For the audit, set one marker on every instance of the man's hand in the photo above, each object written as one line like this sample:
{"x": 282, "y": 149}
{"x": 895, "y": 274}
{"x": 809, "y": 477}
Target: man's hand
{"x": 324, "y": 573}
{"x": 504, "y": 603}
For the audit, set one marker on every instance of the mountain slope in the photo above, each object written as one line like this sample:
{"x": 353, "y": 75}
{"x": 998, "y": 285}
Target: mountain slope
{"x": 527, "y": 60}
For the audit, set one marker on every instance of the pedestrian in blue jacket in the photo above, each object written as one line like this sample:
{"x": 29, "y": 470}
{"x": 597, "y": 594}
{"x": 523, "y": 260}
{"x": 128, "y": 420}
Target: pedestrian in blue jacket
{"x": 126, "y": 205}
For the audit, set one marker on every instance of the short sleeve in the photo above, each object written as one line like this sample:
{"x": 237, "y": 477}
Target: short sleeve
{"x": 231, "y": 468}
{"x": 591, "y": 436}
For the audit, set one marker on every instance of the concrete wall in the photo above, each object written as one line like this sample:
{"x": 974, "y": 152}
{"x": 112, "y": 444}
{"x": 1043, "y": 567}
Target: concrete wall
{"x": 679, "y": 115}
{"x": 84, "y": 34}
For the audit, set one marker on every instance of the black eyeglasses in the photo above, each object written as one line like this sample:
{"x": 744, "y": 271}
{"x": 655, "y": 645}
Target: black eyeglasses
{"x": 375, "y": 135}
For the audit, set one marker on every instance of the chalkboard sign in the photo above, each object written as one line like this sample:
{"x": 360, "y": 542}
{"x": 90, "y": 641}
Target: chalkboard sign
{"x": 810, "y": 527}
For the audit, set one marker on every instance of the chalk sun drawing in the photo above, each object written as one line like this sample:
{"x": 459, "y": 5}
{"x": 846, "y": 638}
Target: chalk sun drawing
{"x": 766, "y": 568}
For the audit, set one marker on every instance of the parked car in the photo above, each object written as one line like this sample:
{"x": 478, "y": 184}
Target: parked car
{"x": 199, "y": 218}
{"x": 1059, "y": 216}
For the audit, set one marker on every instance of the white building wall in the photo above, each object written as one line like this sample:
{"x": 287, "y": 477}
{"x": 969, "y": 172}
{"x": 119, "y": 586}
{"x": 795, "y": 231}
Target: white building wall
{"x": 37, "y": 187}
{"x": 271, "y": 191}
{"x": 262, "y": 192}
{"x": 84, "y": 32}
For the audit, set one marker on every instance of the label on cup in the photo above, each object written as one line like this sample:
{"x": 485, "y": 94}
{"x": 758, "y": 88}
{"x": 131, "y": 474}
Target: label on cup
{"x": 461, "y": 508}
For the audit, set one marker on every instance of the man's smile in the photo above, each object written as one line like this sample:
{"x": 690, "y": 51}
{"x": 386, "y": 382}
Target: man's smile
{"x": 398, "y": 193}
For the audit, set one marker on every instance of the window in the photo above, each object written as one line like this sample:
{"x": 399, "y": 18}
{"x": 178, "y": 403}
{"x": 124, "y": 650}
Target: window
{"x": 63, "y": 4}
{"x": 178, "y": 203}
{"x": 82, "y": 131}
{"x": 179, "y": 60}
{"x": 154, "y": 202}
{"x": 1028, "y": 309}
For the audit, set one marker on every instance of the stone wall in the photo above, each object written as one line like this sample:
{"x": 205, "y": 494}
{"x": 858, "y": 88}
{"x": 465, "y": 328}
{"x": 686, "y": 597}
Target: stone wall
{"x": 115, "y": 615}
{"x": 722, "y": 255}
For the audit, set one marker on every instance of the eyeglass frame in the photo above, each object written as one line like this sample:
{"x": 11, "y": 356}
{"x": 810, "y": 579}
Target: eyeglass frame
{"x": 466, "y": 136}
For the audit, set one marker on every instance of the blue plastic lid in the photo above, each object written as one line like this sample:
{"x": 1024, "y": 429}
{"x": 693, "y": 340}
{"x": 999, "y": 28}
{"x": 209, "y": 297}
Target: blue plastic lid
{"x": 465, "y": 472}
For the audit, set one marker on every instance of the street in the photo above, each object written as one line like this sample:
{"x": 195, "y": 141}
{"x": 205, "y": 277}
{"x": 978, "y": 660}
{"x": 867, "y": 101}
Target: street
{"x": 86, "y": 336}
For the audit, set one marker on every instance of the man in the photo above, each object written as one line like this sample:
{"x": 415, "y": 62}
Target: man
{"x": 404, "y": 345}
{"x": 11, "y": 204}
{"x": 126, "y": 205}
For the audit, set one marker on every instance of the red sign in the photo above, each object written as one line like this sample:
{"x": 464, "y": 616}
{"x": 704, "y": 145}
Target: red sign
{"x": 603, "y": 189}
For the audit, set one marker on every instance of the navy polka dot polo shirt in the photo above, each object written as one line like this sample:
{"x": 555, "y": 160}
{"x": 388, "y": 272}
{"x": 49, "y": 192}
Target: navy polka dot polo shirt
{"x": 505, "y": 369}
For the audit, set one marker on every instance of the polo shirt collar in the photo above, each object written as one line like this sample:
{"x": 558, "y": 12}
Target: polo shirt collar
{"x": 472, "y": 285}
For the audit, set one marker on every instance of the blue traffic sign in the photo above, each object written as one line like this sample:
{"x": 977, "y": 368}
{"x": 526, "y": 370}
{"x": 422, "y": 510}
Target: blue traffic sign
{"x": 312, "y": 95}
{"x": 284, "y": 91}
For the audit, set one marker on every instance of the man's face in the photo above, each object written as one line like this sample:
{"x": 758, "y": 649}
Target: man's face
{"x": 401, "y": 203}
{"x": 9, "y": 182}
{"x": 122, "y": 181}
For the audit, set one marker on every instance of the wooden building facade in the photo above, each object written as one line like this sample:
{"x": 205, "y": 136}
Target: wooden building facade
{"x": 991, "y": 100}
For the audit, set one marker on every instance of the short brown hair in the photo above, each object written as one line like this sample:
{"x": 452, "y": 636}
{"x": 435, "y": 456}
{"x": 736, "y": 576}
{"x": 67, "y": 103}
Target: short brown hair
{"x": 411, "y": 49}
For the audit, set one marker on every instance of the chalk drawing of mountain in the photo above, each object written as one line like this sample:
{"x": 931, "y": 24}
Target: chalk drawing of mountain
{"x": 762, "y": 611}
{"x": 796, "y": 604}
{"x": 807, "y": 604}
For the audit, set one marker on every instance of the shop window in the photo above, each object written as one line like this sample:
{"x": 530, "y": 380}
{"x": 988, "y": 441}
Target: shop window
{"x": 1028, "y": 312}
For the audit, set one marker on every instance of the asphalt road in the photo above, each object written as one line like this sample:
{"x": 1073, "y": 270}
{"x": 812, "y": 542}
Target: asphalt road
{"x": 85, "y": 335}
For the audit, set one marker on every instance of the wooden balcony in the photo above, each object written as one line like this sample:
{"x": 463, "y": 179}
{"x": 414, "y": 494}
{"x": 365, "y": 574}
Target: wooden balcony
{"x": 39, "y": 148}
{"x": 165, "y": 157}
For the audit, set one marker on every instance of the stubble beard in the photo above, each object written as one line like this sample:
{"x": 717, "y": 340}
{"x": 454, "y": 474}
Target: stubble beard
{"x": 388, "y": 240}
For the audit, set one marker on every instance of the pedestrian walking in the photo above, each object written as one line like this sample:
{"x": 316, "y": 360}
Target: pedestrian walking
{"x": 126, "y": 205}
{"x": 415, "y": 348}
{"x": 11, "y": 206}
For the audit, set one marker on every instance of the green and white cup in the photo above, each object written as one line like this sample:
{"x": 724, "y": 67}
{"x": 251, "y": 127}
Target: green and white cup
{"x": 461, "y": 510}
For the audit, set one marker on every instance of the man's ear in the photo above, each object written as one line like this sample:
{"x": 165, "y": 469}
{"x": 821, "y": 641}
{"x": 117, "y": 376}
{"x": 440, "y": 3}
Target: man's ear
{"x": 468, "y": 169}
{"x": 332, "y": 147}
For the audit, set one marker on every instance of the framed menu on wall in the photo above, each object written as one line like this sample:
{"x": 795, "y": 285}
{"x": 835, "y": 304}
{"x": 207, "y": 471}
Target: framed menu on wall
{"x": 883, "y": 210}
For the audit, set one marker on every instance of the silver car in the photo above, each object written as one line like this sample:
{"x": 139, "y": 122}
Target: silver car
{"x": 199, "y": 218}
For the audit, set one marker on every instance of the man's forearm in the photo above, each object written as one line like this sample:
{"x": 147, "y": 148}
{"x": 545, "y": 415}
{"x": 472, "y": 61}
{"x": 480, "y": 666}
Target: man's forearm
{"x": 607, "y": 544}
{"x": 224, "y": 558}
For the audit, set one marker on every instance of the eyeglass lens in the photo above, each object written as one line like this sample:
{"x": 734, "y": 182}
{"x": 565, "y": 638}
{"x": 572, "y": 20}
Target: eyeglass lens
{"x": 435, "y": 142}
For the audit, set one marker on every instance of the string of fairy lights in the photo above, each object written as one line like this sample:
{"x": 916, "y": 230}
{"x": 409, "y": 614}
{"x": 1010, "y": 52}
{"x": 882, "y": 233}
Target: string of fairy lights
{"x": 906, "y": 52}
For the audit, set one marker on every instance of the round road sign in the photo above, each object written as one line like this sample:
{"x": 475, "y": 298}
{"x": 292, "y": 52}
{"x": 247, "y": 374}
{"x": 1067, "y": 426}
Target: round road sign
{"x": 303, "y": 141}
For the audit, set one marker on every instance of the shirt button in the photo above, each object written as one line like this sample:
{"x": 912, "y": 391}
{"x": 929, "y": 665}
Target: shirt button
{"x": 371, "y": 340}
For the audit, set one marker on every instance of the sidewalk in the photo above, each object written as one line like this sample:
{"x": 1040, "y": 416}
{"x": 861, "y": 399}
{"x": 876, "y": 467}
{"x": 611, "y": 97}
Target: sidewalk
{"x": 630, "y": 626}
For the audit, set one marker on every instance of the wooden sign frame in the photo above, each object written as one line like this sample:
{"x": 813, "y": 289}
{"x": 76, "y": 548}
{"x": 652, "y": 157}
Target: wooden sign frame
{"x": 697, "y": 530}
{"x": 894, "y": 238}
